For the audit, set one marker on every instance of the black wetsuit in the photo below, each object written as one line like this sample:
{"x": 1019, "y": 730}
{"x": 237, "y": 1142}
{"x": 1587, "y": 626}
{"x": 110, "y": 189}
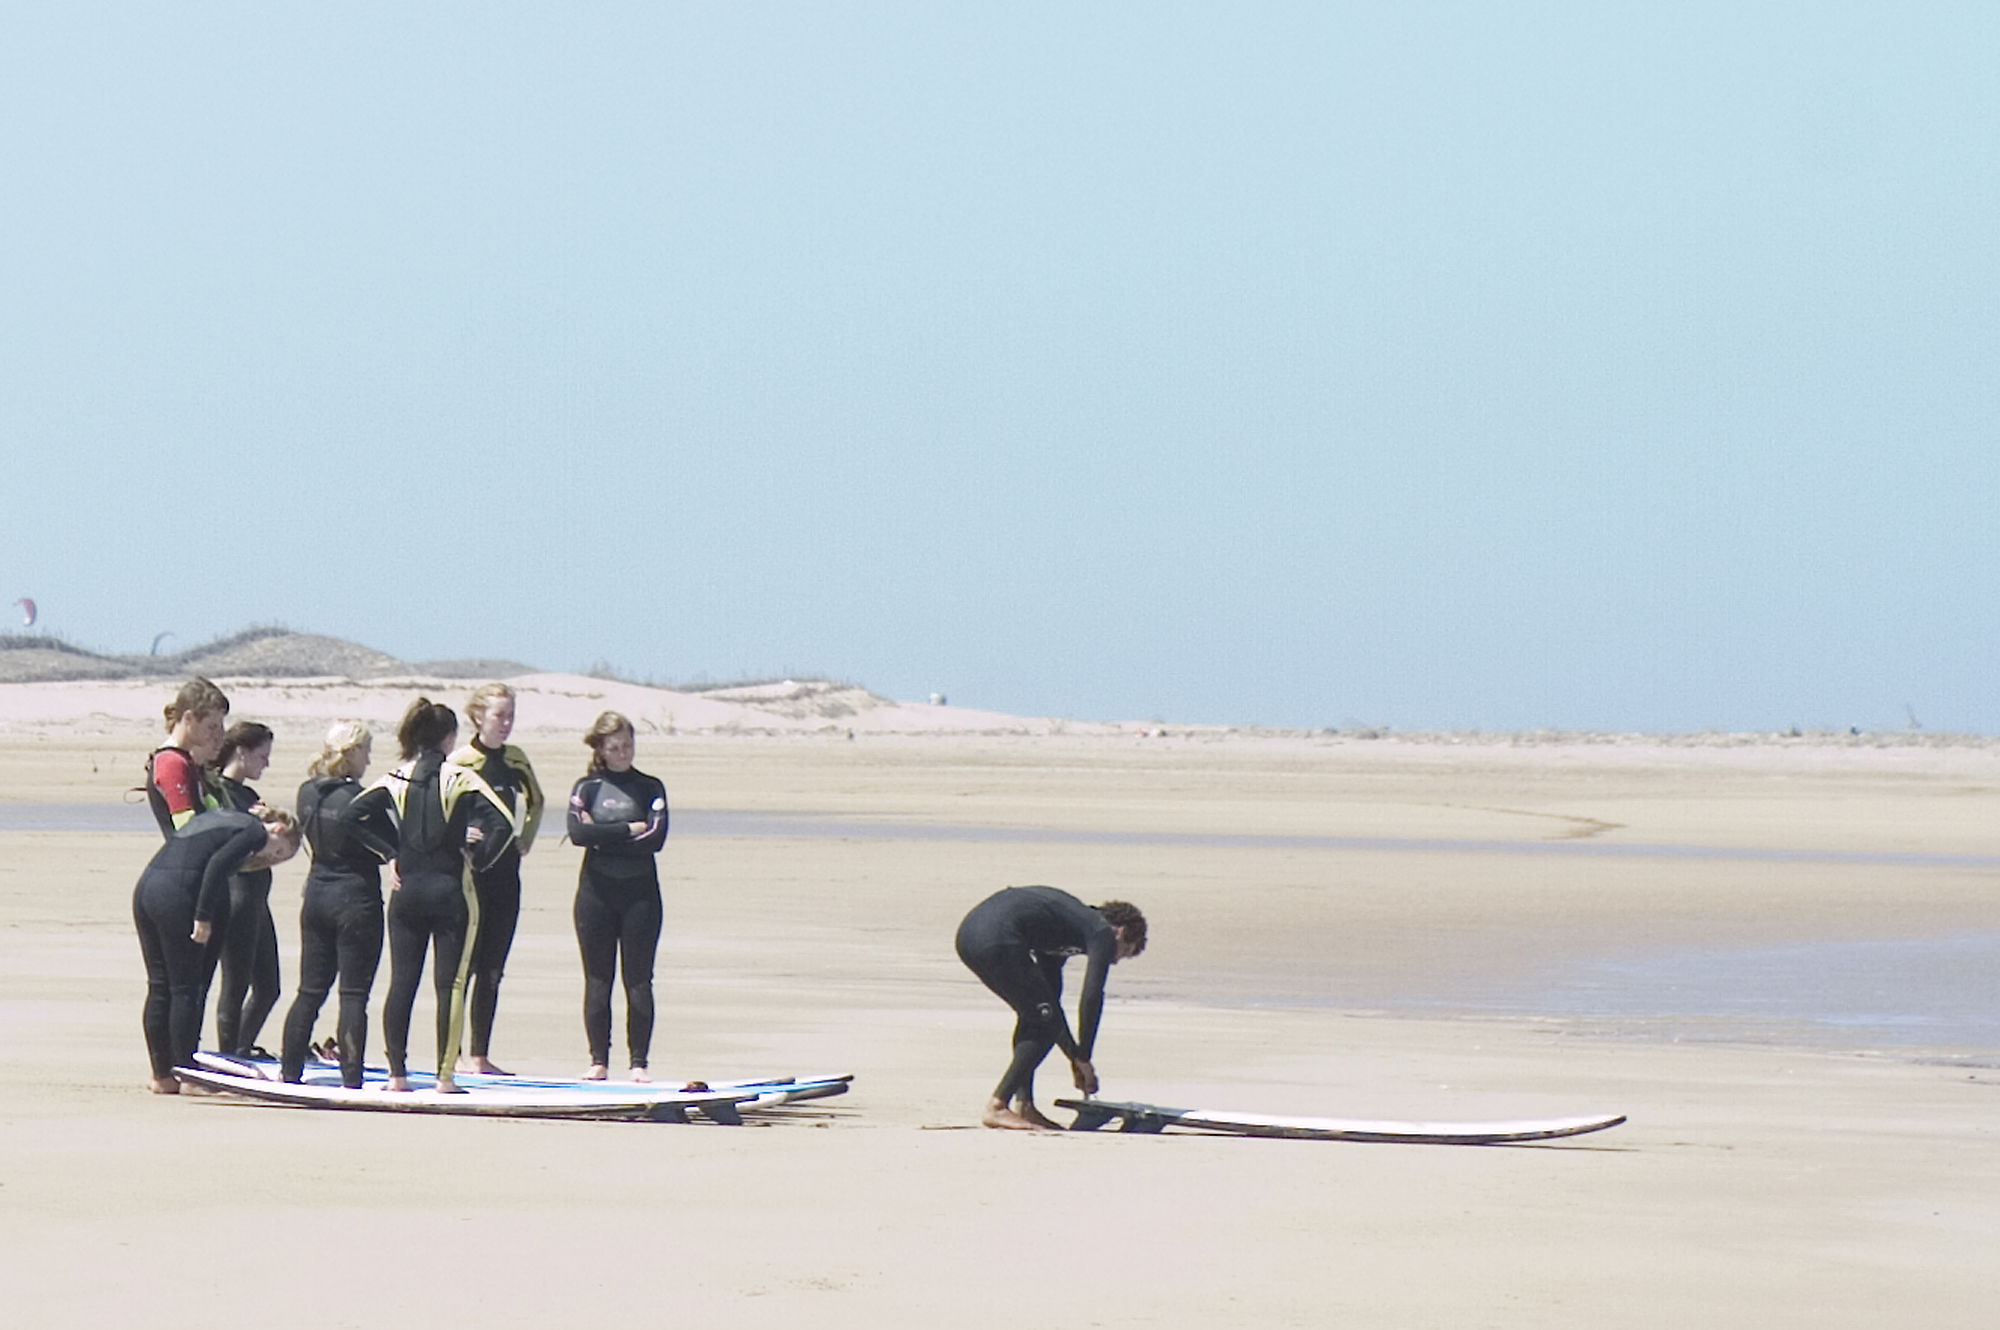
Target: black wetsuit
{"x": 419, "y": 815}
{"x": 1016, "y": 941}
{"x": 249, "y": 949}
{"x": 498, "y": 886}
{"x": 186, "y": 883}
{"x": 618, "y": 902}
{"x": 340, "y": 928}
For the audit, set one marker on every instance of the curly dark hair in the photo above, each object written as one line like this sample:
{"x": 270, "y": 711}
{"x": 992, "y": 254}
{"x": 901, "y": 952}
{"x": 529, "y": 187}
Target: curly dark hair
{"x": 1125, "y": 916}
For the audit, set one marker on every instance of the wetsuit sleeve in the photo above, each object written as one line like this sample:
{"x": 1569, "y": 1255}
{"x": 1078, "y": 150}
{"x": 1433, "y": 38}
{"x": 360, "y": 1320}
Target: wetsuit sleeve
{"x": 583, "y": 829}
{"x": 531, "y": 812}
{"x": 655, "y": 836}
{"x": 475, "y": 805}
{"x": 245, "y": 840}
{"x": 1101, "y": 951}
{"x": 370, "y": 818}
{"x": 179, "y": 785}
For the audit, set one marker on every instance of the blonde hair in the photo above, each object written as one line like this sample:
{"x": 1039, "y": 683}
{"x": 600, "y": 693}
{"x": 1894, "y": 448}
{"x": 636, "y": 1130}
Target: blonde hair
{"x": 483, "y": 697}
{"x": 606, "y": 725}
{"x": 342, "y": 738}
{"x": 279, "y": 822}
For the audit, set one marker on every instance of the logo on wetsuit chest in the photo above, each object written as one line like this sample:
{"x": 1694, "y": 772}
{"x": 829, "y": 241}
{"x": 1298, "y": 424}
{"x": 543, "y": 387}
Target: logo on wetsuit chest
{"x": 613, "y": 805}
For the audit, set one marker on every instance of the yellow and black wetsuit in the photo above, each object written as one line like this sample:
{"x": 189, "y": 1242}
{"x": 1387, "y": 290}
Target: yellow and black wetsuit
{"x": 508, "y": 773}
{"x": 420, "y": 815}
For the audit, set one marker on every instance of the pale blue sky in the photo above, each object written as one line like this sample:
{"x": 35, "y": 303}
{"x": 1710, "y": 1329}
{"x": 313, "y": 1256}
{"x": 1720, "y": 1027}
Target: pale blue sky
{"x": 1587, "y": 365}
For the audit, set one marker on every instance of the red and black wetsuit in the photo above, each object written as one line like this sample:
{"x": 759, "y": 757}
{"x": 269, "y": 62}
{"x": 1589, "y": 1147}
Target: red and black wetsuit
{"x": 177, "y": 788}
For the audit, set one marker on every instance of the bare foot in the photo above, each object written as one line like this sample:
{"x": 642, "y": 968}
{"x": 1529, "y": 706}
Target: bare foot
{"x": 997, "y": 1114}
{"x": 1026, "y": 1108}
{"x": 598, "y": 1071}
{"x": 641, "y": 1075}
{"x": 484, "y": 1066}
{"x": 164, "y": 1085}
{"x": 446, "y": 1085}
{"x": 397, "y": 1085}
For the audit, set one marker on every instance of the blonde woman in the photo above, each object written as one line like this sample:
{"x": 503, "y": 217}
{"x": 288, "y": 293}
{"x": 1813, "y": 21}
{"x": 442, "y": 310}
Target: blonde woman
{"x": 508, "y": 773}
{"x": 340, "y": 921}
{"x": 618, "y": 814}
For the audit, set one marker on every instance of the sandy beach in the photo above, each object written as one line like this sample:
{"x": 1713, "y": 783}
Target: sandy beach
{"x": 1443, "y": 930}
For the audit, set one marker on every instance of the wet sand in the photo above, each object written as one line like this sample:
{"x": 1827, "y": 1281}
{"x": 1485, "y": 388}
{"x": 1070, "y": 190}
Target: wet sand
{"x": 1353, "y": 930}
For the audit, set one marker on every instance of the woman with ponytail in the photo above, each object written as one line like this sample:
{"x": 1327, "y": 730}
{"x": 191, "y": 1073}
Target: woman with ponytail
{"x": 430, "y": 818}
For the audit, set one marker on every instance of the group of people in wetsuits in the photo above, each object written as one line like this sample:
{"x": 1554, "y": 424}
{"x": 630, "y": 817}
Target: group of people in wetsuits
{"x": 450, "y": 823}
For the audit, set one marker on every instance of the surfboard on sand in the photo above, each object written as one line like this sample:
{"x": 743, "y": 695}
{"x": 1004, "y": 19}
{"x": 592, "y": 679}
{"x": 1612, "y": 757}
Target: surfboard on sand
{"x": 1151, "y": 1118}
{"x": 678, "y": 1106}
{"x": 768, "y": 1092}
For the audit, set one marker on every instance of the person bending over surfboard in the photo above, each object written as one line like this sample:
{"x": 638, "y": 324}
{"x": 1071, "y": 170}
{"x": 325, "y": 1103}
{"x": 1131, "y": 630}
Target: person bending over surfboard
{"x": 1016, "y": 941}
{"x": 181, "y": 899}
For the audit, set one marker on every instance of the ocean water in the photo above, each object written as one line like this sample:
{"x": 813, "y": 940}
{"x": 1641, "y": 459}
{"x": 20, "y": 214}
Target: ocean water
{"x": 1940, "y": 994}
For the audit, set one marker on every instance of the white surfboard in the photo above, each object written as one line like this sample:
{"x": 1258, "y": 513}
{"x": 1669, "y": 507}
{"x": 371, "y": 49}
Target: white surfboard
{"x": 1150, "y": 1118}
{"x": 768, "y": 1091}
{"x": 679, "y": 1106}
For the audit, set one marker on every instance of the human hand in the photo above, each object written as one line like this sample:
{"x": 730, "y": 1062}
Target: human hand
{"x": 1084, "y": 1075}
{"x": 203, "y": 931}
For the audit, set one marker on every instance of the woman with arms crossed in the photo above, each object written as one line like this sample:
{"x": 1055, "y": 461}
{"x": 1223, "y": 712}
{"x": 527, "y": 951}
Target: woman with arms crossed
{"x": 508, "y": 773}
{"x": 174, "y": 907}
{"x": 432, "y": 817}
{"x": 618, "y": 814}
{"x": 340, "y": 920}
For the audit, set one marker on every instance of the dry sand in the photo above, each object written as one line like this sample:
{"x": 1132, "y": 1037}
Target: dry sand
{"x": 1335, "y": 966}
